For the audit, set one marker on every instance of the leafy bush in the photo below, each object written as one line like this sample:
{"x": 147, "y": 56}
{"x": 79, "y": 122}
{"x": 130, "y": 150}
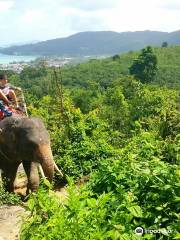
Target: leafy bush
{"x": 133, "y": 189}
{"x": 79, "y": 141}
{"x": 79, "y": 217}
{"x": 8, "y": 198}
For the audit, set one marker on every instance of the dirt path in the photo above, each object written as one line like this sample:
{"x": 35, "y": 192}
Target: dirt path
{"x": 11, "y": 216}
{"x": 10, "y": 222}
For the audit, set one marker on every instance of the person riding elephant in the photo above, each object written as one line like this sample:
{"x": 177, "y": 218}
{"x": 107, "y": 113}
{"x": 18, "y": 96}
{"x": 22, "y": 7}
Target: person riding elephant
{"x": 7, "y": 97}
{"x": 7, "y": 93}
{"x": 25, "y": 140}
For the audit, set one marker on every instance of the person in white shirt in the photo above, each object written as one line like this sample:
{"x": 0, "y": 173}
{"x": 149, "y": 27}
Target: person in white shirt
{"x": 7, "y": 93}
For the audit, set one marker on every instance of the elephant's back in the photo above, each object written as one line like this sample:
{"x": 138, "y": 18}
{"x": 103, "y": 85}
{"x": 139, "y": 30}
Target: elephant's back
{"x": 22, "y": 122}
{"x": 12, "y": 121}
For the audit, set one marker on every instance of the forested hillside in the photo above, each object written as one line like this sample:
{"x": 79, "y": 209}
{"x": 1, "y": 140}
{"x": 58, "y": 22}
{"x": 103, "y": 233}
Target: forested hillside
{"x": 118, "y": 133}
{"x": 95, "y": 43}
{"x": 101, "y": 73}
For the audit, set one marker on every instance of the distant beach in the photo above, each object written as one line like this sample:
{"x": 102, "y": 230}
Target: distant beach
{"x": 6, "y": 59}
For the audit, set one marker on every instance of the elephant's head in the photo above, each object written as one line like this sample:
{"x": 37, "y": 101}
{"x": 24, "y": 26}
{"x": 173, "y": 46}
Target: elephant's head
{"x": 35, "y": 140}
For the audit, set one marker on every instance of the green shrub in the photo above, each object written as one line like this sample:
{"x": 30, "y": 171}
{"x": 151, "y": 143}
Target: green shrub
{"x": 8, "y": 198}
{"x": 144, "y": 187}
{"x": 136, "y": 188}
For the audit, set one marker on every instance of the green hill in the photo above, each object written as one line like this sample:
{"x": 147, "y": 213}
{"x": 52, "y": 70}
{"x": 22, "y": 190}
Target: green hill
{"x": 101, "y": 73}
{"x": 106, "y": 70}
{"x": 95, "y": 43}
{"x": 86, "y": 82}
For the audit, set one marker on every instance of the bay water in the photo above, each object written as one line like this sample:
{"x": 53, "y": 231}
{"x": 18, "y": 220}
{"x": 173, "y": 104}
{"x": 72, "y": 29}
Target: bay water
{"x": 6, "y": 59}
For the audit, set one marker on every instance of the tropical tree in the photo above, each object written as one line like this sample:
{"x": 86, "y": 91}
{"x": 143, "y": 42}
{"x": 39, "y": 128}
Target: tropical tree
{"x": 144, "y": 67}
{"x": 164, "y": 44}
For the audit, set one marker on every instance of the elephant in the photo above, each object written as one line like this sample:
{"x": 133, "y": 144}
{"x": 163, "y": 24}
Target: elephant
{"x": 25, "y": 140}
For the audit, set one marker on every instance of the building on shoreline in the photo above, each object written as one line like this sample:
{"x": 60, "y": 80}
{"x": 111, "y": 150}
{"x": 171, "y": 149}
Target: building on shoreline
{"x": 15, "y": 67}
{"x": 19, "y": 66}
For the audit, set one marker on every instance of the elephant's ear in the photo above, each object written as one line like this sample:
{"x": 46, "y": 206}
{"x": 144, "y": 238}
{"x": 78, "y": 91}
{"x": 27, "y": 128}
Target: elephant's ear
{"x": 8, "y": 138}
{"x": 8, "y": 128}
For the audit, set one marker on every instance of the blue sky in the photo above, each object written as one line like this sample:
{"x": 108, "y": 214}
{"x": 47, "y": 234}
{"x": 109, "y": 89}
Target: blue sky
{"x": 28, "y": 20}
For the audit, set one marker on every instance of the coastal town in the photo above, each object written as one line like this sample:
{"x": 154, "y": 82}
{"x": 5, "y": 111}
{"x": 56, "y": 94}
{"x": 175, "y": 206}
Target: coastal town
{"x": 50, "y": 62}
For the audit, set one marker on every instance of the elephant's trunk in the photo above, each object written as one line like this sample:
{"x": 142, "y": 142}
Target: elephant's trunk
{"x": 45, "y": 158}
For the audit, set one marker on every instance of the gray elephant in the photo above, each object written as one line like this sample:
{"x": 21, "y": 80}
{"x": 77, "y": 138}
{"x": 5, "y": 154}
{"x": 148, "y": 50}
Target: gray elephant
{"x": 25, "y": 140}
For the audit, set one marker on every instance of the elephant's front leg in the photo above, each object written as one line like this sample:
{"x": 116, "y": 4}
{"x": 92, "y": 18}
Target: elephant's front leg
{"x": 31, "y": 169}
{"x": 8, "y": 177}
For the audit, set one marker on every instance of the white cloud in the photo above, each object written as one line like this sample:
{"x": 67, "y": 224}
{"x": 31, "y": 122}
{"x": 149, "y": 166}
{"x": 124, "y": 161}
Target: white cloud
{"x": 5, "y": 6}
{"x": 133, "y": 15}
{"x": 47, "y": 19}
{"x": 33, "y": 16}
{"x": 76, "y": 20}
{"x": 170, "y": 5}
{"x": 89, "y": 5}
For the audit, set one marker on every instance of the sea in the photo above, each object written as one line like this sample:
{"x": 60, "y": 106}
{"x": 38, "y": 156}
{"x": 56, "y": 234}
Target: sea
{"x": 6, "y": 59}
